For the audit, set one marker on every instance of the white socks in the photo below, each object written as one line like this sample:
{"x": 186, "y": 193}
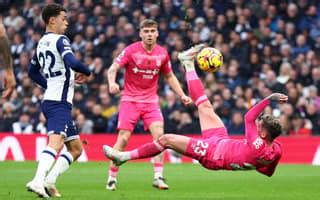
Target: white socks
{"x": 188, "y": 65}
{"x": 61, "y": 165}
{"x": 45, "y": 162}
{"x": 158, "y": 175}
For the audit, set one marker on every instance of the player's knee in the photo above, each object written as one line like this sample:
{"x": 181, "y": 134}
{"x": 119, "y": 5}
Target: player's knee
{"x": 206, "y": 105}
{"x": 157, "y": 135}
{"x": 166, "y": 140}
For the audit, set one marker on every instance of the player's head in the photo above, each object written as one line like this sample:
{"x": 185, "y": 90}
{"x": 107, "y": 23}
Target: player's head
{"x": 149, "y": 31}
{"x": 270, "y": 127}
{"x": 55, "y": 18}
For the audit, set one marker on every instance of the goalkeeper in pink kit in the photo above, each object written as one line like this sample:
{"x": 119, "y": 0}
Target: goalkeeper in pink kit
{"x": 216, "y": 150}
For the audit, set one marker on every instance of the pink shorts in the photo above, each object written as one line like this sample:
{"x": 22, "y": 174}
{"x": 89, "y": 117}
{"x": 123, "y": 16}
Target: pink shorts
{"x": 203, "y": 149}
{"x": 130, "y": 112}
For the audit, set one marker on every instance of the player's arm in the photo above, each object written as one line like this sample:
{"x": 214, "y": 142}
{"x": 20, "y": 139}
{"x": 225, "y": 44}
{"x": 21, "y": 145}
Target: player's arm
{"x": 173, "y": 81}
{"x": 35, "y": 74}
{"x": 254, "y": 112}
{"x": 112, "y": 75}
{"x": 121, "y": 60}
{"x": 269, "y": 169}
{"x": 5, "y": 54}
{"x": 64, "y": 48}
{"x": 175, "y": 85}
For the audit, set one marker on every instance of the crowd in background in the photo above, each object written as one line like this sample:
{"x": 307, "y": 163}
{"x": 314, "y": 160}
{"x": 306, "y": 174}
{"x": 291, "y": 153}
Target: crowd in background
{"x": 268, "y": 46}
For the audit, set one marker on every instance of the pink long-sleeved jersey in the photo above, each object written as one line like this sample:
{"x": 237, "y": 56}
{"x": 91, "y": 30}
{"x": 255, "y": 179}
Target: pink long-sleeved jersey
{"x": 252, "y": 152}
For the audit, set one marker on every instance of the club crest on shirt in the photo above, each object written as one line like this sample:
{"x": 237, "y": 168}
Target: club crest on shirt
{"x": 65, "y": 42}
{"x": 158, "y": 63}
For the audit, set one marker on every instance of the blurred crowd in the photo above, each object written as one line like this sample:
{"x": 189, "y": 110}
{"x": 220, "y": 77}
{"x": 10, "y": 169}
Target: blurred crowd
{"x": 268, "y": 46}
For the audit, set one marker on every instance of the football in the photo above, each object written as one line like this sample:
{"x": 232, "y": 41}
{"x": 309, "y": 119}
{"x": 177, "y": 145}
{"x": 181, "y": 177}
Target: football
{"x": 209, "y": 59}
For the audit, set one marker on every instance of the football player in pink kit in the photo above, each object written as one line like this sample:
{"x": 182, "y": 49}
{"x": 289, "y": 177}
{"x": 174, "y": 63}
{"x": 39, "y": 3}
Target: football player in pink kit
{"x": 143, "y": 61}
{"x": 216, "y": 150}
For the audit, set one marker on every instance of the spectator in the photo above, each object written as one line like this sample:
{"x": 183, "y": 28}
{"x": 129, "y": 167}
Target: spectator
{"x": 8, "y": 117}
{"x": 284, "y": 74}
{"x": 272, "y": 82}
{"x": 14, "y": 20}
{"x": 299, "y": 126}
{"x": 100, "y": 123}
{"x": 202, "y": 29}
{"x": 108, "y": 108}
{"x": 186, "y": 126}
{"x": 301, "y": 46}
{"x": 23, "y": 126}
{"x": 285, "y": 124}
{"x": 41, "y": 127}
{"x": 84, "y": 126}
{"x": 236, "y": 125}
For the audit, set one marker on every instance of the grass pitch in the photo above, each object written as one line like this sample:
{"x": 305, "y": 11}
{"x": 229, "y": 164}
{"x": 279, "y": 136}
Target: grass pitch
{"x": 186, "y": 181}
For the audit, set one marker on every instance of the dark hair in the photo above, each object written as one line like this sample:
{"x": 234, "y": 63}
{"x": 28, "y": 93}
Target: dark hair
{"x": 148, "y": 23}
{"x": 272, "y": 125}
{"x": 51, "y": 10}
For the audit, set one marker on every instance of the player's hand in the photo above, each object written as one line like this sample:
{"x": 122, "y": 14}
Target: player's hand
{"x": 186, "y": 100}
{"x": 282, "y": 98}
{"x": 9, "y": 83}
{"x": 81, "y": 78}
{"x": 114, "y": 88}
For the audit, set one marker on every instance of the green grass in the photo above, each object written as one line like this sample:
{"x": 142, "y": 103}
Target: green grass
{"x": 186, "y": 181}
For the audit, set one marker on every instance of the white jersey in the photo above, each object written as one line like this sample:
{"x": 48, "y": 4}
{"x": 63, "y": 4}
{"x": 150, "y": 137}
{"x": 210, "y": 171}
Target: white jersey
{"x": 60, "y": 79}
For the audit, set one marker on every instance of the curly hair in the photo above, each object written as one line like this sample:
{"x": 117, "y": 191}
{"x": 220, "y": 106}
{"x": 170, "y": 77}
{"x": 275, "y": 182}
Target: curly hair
{"x": 51, "y": 10}
{"x": 272, "y": 125}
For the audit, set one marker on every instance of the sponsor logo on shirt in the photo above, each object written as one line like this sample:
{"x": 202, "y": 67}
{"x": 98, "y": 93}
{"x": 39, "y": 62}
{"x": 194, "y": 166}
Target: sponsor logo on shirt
{"x": 147, "y": 73}
{"x": 44, "y": 43}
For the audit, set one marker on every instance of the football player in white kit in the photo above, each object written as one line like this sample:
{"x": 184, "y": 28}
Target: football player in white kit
{"x": 53, "y": 67}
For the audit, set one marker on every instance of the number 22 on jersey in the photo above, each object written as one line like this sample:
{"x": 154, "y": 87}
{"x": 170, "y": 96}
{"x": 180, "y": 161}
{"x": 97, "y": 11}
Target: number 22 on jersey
{"x": 48, "y": 57}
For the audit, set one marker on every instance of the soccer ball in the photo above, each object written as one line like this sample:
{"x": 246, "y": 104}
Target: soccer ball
{"x": 209, "y": 59}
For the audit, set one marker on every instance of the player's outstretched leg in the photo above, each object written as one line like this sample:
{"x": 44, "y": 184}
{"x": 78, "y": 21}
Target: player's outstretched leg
{"x": 178, "y": 143}
{"x": 145, "y": 151}
{"x": 191, "y": 53}
{"x": 208, "y": 118}
{"x": 46, "y": 160}
{"x": 116, "y": 156}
